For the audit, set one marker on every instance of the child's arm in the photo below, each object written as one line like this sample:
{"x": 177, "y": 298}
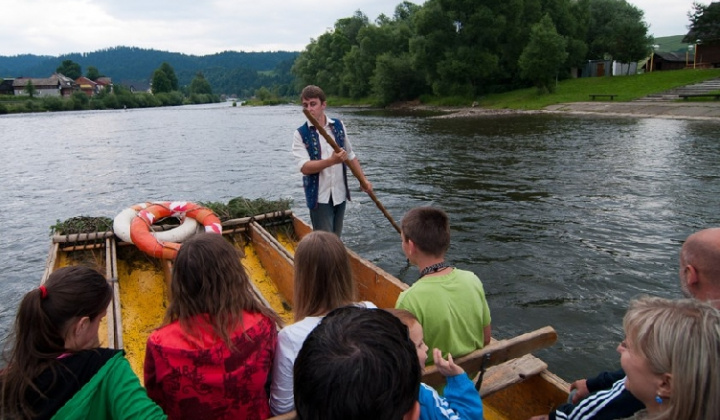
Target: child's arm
{"x": 460, "y": 392}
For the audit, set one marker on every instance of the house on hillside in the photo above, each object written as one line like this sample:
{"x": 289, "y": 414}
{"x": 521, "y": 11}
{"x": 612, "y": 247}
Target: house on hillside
{"x": 88, "y": 86}
{"x": 104, "y": 83}
{"x": 706, "y": 39}
{"x": 667, "y": 61}
{"x": 707, "y": 56}
{"x": 55, "y": 85}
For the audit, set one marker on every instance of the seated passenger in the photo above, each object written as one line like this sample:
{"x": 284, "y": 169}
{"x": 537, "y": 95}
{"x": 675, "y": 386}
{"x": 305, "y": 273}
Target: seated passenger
{"x": 671, "y": 356}
{"x": 213, "y": 354}
{"x": 358, "y": 364}
{"x": 449, "y": 303}
{"x": 461, "y": 400}
{"x": 56, "y": 367}
{"x": 323, "y": 282}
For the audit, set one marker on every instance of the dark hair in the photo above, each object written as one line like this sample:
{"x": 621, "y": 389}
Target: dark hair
{"x": 208, "y": 280}
{"x": 312, "y": 91}
{"x": 357, "y": 363}
{"x": 323, "y": 277}
{"x": 40, "y": 329}
{"x": 429, "y": 229}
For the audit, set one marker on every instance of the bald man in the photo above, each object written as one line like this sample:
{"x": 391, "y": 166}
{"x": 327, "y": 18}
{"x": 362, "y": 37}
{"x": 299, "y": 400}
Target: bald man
{"x": 700, "y": 266}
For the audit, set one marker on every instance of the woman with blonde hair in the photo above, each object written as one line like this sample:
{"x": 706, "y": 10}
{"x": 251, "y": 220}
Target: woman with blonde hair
{"x": 671, "y": 356}
{"x": 323, "y": 282}
{"x": 214, "y": 352}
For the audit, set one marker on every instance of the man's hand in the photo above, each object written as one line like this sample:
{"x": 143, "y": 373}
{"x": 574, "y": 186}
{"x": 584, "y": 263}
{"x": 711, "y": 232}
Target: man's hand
{"x": 580, "y": 386}
{"x": 339, "y": 157}
{"x": 368, "y": 186}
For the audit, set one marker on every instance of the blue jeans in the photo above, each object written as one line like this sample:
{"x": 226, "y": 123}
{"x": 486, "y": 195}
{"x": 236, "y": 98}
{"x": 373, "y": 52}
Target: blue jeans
{"x": 328, "y": 217}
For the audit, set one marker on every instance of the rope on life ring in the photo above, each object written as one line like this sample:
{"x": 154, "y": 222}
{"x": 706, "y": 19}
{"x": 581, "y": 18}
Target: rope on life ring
{"x": 140, "y": 227}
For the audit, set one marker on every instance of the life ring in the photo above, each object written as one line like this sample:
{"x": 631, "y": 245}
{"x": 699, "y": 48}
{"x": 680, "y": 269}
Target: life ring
{"x": 121, "y": 226}
{"x": 140, "y": 226}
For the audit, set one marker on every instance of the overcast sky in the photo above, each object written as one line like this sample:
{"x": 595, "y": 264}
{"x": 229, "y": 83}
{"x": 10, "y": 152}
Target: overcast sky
{"x": 55, "y": 27}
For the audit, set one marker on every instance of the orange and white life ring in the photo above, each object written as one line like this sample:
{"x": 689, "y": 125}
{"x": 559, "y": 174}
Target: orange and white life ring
{"x": 140, "y": 226}
{"x": 121, "y": 226}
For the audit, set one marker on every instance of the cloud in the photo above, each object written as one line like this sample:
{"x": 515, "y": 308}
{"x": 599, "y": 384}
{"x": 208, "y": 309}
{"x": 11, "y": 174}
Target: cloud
{"x": 55, "y": 27}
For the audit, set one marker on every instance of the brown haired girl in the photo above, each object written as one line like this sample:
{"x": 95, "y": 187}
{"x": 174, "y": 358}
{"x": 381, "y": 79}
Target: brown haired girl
{"x": 56, "y": 368}
{"x": 323, "y": 282}
{"x": 213, "y": 354}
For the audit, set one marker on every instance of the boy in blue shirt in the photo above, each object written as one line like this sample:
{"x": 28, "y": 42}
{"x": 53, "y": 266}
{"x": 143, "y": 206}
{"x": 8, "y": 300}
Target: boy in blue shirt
{"x": 461, "y": 400}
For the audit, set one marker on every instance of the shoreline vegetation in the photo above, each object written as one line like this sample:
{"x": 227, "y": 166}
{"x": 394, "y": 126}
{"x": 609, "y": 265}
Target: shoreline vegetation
{"x": 626, "y": 88}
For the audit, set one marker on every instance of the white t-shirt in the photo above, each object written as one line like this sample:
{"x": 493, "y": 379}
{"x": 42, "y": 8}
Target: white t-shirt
{"x": 290, "y": 341}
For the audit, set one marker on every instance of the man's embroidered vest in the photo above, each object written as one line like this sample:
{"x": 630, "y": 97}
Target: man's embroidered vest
{"x": 311, "y": 139}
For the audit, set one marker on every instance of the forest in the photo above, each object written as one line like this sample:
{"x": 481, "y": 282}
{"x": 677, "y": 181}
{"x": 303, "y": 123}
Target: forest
{"x": 470, "y": 47}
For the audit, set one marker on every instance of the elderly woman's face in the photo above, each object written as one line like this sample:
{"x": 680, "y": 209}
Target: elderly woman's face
{"x": 641, "y": 381}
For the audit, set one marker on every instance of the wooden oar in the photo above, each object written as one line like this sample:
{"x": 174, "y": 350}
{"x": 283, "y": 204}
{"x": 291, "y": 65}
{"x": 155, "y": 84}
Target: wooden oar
{"x": 358, "y": 175}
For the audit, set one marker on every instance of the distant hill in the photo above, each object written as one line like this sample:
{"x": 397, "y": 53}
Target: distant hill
{"x": 671, "y": 44}
{"x": 132, "y": 64}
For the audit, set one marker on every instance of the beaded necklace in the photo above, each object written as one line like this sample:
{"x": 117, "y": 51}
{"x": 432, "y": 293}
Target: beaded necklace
{"x": 433, "y": 268}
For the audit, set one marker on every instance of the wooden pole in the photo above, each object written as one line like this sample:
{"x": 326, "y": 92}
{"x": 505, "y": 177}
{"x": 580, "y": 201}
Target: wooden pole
{"x": 359, "y": 176}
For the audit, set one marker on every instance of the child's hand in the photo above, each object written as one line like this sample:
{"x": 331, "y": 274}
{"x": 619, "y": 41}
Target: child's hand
{"x": 446, "y": 367}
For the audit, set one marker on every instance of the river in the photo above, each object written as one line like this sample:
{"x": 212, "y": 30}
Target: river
{"x": 564, "y": 218}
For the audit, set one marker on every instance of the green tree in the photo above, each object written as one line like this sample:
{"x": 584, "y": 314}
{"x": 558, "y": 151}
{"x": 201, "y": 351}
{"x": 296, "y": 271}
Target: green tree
{"x": 200, "y": 85}
{"x": 704, "y": 24}
{"x": 617, "y": 31}
{"x": 30, "y": 88}
{"x": 543, "y": 56}
{"x": 160, "y": 82}
{"x": 70, "y": 69}
{"x": 170, "y": 73}
{"x": 93, "y": 73}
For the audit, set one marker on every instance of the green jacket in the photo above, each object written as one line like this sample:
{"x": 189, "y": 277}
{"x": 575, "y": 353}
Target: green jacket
{"x": 113, "y": 393}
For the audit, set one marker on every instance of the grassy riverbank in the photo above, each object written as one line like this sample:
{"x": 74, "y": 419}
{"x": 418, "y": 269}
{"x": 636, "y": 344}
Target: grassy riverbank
{"x": 626, "y": 88}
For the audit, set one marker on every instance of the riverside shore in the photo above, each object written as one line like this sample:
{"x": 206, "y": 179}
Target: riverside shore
{"x": 674, "y": 110}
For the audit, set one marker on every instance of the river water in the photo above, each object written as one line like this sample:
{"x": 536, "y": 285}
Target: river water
{"x": 564, "y": 218}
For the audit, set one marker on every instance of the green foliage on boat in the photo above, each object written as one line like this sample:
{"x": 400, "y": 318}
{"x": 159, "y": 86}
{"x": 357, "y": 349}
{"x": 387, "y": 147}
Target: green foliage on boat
{"x": 237, "y": 207}
{"x": 242, "y": 207}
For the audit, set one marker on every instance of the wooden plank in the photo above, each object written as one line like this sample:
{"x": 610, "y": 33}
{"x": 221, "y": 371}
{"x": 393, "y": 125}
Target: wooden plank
{"x": 82, "y": 237}
{"x": 116, "y": 297}
{"x": 509, "y": 373}
{"x": 375, "y": 284}
{"x": 275, "y": 260}
{"x": 51, "y": 262}
{"x": 499, "y": 352}
{"x": 110, "y": 318}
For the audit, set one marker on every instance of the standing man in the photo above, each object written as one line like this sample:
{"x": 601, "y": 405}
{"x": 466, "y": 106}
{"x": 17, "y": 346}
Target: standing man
{"x": 324, "y": 171}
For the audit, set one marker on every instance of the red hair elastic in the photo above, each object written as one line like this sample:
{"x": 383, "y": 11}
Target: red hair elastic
{"x": 43, "y": 292}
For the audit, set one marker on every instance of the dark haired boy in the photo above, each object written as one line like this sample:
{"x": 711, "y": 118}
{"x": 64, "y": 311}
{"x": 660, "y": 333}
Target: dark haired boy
{"x": 357, "y": 364}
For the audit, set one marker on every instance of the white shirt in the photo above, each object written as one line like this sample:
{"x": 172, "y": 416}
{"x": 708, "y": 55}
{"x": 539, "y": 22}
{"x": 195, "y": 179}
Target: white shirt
{"x": 290, "y": 341}
{"x": 332, "y": 182}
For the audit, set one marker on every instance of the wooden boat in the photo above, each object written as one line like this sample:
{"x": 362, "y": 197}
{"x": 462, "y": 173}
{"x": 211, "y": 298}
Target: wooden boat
{"x": 516, "y": 385}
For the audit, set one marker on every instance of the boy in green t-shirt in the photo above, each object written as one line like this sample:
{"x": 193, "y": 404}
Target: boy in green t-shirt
{"x": 449, "y": 303}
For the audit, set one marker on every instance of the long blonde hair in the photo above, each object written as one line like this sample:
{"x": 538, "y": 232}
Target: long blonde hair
{"x": 682, "y": 338}
{"x": 323, "y": 278}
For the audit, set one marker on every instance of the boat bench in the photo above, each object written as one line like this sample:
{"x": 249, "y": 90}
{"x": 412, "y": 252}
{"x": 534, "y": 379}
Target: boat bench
{"x": 602, "y": 95}
{"x": 686, "y": 96}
